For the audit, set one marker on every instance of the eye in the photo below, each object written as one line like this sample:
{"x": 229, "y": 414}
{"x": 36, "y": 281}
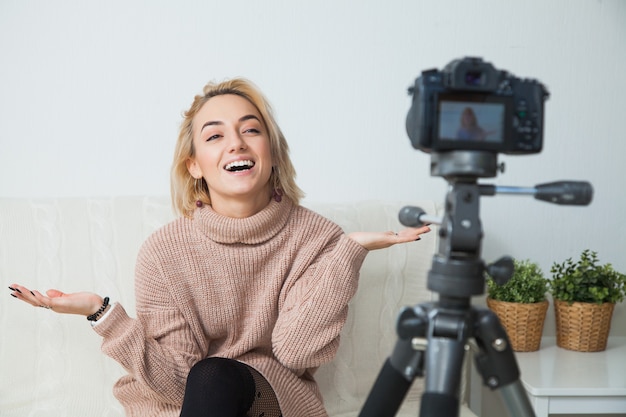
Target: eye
{"x": 212, "y": 137}
{"x": 251, "y": 127}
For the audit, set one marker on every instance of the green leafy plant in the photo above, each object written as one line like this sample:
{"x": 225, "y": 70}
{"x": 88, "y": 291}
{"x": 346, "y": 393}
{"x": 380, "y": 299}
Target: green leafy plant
{"x": 527, "y": 285}
{"x": 587, "y": 281}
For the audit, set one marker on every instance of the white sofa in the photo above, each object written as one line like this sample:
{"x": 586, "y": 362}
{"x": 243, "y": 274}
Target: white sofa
{"x": 51, "y": 365}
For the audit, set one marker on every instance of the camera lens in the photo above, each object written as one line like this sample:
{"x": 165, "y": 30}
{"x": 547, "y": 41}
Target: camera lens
{"x": 474, "y": 78}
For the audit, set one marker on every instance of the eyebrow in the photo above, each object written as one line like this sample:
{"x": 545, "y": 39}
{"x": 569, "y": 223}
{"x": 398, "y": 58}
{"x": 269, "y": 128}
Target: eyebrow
{"x": 241, "y": 119}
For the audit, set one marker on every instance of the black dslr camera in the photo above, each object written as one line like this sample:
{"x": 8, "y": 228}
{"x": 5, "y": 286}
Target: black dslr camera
{"x": 470, "y": 105}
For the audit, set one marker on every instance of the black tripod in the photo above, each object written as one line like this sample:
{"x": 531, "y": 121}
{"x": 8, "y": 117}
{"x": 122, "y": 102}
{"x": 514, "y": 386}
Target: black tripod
{"x": 432, "y": 337}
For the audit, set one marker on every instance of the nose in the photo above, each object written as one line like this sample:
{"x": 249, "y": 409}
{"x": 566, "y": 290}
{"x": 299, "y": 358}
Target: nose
{"x": 236, "y": 143}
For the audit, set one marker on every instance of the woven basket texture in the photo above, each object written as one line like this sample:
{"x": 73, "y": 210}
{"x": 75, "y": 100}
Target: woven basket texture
{"x": 523, "y": 322}
{"x": 583, "y": 327}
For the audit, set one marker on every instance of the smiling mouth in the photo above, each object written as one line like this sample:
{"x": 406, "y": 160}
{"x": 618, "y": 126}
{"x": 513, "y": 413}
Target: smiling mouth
{"x": 239, "y": 166}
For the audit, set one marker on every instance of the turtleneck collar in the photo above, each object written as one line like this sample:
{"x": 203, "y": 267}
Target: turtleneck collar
{"x": 250, "y": 230}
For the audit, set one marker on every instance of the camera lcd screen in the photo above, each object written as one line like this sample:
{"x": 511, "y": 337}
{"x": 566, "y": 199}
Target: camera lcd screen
{"x": 471, "y": 121}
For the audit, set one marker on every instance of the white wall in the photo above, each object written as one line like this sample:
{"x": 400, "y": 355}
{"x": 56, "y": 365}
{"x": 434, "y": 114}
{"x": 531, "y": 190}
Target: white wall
{"x": 91, "y": 94}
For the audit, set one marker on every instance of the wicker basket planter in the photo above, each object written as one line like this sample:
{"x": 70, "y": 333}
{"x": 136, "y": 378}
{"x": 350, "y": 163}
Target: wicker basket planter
{"x": 523, "y": 322}
{"x": 585, "y": 292}
{"x": 583, "y": 327}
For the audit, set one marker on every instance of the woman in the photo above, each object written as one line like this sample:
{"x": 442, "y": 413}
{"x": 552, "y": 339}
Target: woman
{"x": 469, "y": 128}
{"x": 243, "y": 297}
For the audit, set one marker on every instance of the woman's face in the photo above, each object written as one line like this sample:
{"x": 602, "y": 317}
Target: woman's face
{"x": 232, "y": 151}
{"x": 468, "y": 118}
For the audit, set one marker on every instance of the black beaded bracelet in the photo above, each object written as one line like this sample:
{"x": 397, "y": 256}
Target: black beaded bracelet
{"x": 95, "y": 315}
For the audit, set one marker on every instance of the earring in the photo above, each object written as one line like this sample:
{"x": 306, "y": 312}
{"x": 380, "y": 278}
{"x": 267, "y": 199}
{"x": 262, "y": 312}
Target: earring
{"x": 197, "y": 187}
{"x": 277, "y": 195}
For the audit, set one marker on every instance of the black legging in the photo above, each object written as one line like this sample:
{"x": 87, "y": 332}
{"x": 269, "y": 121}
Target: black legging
{"x": 219, "y": 387}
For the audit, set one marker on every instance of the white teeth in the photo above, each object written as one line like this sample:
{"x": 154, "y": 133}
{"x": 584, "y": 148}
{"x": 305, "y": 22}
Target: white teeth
{"x": 233, "y": 166}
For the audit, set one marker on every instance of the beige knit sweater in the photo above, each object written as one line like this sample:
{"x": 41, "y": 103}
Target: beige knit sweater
{"x": 270, "y": 290}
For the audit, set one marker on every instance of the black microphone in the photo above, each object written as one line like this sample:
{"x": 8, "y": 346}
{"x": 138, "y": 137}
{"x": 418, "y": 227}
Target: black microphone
{"x": 572, "y": 193}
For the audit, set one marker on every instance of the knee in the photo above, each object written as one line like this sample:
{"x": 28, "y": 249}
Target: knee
{"x": 217, "y": 372}
{"x": 208, "y": 369}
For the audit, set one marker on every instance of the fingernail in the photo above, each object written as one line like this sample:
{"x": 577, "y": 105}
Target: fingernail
{"x": 12, "y": 289}
{"x": 32, "y": 293}
{"x": 13, "y": 295}
{"x": 419, "y": 238}
{"x": 18, "y": 290}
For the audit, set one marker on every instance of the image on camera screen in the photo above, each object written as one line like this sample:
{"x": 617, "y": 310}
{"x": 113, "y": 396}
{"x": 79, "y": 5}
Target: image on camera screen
{"x": 471, "y": 121}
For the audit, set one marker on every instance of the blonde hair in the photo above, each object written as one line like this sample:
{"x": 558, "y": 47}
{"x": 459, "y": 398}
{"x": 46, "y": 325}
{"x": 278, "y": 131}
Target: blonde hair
{"x": 186, "y": 190}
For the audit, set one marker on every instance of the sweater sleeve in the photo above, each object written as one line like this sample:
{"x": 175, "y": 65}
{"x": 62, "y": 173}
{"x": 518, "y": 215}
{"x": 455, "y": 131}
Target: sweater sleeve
{"x": 157, "y": 348}
{"x": 315, "y": 307}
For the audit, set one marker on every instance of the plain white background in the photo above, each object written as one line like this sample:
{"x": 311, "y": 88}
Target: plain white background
{"x": 91, "y": 96}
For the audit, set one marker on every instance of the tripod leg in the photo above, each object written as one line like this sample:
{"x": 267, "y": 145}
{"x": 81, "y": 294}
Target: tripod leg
{"x": 400, "y": 369}
{"x": 497, "y": 365}
{"x": 443, "y": 364}
{"x": 388, "y": 392}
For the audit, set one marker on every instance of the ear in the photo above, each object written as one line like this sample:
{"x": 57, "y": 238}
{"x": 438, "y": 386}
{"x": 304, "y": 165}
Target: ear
{"x": 193, "y": 168}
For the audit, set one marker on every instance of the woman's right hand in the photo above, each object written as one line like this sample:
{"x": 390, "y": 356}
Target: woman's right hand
{"x": 81, "y": 303}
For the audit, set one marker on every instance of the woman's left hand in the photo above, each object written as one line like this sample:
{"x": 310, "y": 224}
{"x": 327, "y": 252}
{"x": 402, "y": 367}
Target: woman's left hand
{"x": 381, "y": 240}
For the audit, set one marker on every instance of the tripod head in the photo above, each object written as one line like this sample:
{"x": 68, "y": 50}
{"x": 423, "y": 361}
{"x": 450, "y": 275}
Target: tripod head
{"x": 457, "y": 269}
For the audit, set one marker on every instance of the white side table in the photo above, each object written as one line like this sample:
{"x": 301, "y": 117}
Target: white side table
{"x": 560, "y": 381}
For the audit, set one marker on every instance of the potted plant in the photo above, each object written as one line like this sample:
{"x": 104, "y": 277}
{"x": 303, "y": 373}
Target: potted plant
{"x": 521, "y": 305}
{"x": 585, "y": 293}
